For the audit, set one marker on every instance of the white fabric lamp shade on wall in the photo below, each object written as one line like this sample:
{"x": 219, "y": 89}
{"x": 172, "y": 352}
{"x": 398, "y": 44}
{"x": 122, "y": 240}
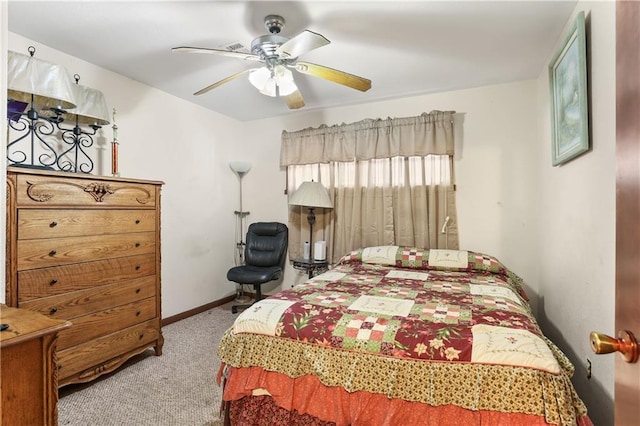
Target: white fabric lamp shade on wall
{"x": 50, "y": 84}
{"x": 92, "y": 107}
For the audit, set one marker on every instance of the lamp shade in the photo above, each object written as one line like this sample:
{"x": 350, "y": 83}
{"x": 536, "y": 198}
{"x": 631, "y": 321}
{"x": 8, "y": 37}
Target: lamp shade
{"x": 276, "y": 82}
{"x": 311, "y": 194}
{"x": 92, "y": 108}
{"x": 49, "y": 83}
{"x": 284, "y": 81}
{"x": 240, "y": 168}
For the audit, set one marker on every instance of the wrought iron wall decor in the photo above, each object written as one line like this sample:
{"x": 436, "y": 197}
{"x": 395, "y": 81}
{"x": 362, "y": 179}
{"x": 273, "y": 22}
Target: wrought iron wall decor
{"x": 33, "y": 131}
{"x": 87, "y": 118}
{"x": 75, "y": 157}
{"x": 33, "y": 85}
{"x": 55, "y": 120}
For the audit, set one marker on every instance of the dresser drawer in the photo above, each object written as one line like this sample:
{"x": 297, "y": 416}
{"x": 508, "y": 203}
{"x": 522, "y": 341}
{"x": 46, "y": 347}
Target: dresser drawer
{"x": 106, "y": 322}
{"x": 98, "y": 355}
{"x": 55, "y": 223}
{"x": 34, "y": 190}
{"x": 79, "y": 303}
{"x": 63, "y": 251}
{"x": 36, "y": 283}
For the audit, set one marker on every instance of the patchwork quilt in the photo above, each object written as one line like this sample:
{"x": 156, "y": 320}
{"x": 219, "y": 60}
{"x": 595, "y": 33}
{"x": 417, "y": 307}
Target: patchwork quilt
{"x": 385, "y": 313}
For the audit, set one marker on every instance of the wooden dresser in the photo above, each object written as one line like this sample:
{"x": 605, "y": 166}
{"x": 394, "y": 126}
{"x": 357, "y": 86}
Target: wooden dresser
{"x": 28, "y": 388}
{"x": 87, "y": 249}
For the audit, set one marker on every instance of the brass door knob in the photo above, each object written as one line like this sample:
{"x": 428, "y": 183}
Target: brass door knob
{"x": 626, "y": 344}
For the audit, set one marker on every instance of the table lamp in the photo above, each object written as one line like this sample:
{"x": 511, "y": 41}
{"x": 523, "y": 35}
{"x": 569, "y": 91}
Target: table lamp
{"x": 312, "y": 195}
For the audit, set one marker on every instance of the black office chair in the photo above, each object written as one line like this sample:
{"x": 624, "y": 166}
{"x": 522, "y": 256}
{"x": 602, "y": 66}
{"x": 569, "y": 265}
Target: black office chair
{"x": 264, "y": 257}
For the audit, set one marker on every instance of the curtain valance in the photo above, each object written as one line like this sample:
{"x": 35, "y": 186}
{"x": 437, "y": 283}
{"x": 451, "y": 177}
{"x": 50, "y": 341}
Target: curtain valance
{"x": 428, "y": 133}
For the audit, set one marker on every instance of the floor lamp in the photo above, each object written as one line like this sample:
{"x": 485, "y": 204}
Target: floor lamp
{"x": 311, "y": 195}
{"x": 240, "y": 168}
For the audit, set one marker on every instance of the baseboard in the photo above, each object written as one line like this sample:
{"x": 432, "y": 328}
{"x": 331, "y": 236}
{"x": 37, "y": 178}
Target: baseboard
{"x": 196, "y": 311}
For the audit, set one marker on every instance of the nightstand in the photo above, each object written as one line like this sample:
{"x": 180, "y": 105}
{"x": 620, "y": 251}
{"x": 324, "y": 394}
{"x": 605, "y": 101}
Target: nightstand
{"x": 312, "y": 267}
{"x": 29, "y": 388}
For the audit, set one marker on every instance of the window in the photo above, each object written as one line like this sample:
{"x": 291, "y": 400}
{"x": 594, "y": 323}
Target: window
{"x": 419, "y": 171}
{"x": 390, "y": 181}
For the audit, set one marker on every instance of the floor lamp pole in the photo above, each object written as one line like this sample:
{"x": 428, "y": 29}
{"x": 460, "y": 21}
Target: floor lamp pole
{"x": 240, "y": 168}
{"x": 241, "y": 217}
{"x": 241, "y": 214}
{"x": 241, "y": 247}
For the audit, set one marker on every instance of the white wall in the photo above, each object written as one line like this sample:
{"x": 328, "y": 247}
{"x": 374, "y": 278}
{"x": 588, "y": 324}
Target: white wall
{"x": 576, "y": 255}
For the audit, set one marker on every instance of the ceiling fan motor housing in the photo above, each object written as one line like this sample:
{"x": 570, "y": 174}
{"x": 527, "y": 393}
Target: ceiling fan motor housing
{"x": 274, "y": 23}
{"x": 265, "y": 46}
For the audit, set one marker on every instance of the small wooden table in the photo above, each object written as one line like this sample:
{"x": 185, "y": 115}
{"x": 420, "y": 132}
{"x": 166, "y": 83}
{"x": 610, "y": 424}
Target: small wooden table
{"x": 29, "y": 386}
{"x": 310, "y": 266}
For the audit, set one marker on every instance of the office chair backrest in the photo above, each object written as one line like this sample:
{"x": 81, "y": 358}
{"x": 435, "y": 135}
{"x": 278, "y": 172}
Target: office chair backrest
{"x": 266, "y": 244}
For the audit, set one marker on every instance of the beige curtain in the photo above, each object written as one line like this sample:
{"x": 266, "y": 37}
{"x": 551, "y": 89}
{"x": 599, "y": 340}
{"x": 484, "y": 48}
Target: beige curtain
{"x": 390, "y": 182}
{"x": 426, "y": 134}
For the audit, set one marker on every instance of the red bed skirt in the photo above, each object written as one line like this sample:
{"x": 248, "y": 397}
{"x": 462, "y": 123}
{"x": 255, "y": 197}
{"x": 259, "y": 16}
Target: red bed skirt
{"x": 263, "y": 411}
{"x": 306, "y": 401}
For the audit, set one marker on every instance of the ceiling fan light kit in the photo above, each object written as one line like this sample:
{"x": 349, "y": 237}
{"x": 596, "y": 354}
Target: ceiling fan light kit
{"x": 279, "y": 56}
{"x": 277, "y": 81}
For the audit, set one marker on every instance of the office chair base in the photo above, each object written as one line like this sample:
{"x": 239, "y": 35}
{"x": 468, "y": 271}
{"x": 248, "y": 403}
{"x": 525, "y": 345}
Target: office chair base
{"x": 235, "y": 308}
{"x": 243, "y": 299}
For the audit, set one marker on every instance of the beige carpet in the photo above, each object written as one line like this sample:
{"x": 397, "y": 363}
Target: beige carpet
{"x": 175, "y": 389}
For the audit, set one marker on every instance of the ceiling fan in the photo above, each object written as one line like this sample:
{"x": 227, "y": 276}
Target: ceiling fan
{"x": 279, "y": 55}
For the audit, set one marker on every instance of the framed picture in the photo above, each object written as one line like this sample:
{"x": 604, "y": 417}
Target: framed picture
{"x": 568, "y": 85}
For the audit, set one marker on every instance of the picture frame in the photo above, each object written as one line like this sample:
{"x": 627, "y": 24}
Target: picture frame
{"x": 569, "y": 96}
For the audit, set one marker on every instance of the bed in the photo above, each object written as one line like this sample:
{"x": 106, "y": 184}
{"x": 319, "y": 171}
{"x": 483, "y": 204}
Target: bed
{"x": 398, "y": 336}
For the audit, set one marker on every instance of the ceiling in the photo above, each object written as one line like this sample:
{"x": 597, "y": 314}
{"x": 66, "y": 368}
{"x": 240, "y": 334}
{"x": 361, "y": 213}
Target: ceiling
{"x": 404, "y": 48}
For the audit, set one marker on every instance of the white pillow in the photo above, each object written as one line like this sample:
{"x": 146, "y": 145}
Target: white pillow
{"x": 382, "y": 255}
{"x": 448, "y": 258}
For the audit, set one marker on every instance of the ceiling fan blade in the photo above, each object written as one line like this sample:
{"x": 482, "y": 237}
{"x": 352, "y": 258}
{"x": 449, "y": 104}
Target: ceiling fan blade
{"x": 222, "y": 52}
{"x": 294, "y": 100}
{"x": 302, "y": 43}
{"x": 223, "y": 81}
{"x": 340, "y": 77}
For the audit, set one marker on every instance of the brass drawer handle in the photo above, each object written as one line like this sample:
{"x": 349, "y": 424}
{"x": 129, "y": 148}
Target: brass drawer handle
{"x": 53, "y": 224}
{"x": 53, "y": 282}
{"x": 53, "y": 310}
{"x": 52, "y": 253}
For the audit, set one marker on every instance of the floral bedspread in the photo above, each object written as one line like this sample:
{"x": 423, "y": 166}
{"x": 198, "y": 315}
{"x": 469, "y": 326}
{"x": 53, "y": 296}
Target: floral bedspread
{"x": 402, "y": 306}
{"x": 432, "y": 326}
